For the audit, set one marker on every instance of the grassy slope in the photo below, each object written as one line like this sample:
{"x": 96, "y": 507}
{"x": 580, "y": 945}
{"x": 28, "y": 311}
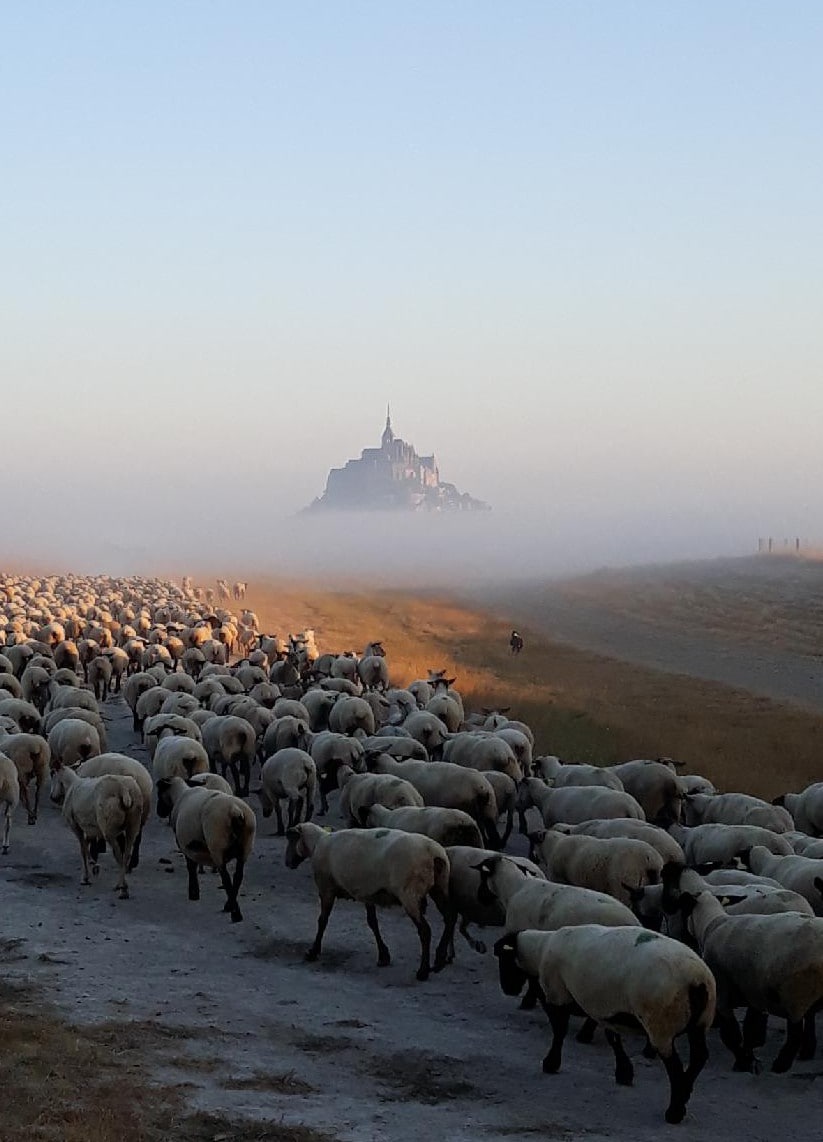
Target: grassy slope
{"x": 581, "y": 706}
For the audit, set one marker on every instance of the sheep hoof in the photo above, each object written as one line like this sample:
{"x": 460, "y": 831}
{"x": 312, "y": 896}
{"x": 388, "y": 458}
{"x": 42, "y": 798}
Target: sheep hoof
{"x": 124, "y": 894}
{"x": 84, "y": 882}
{"x": 5, "y": 850}
{"x": 550, "y": 1066}
{"x": 311, "y": 955}
{"x": 675, "y": 1114}
{"x": 384, "y": 960}
{"x": 32, "y": 820}
{"x": 236, "y": 916}
{"x": 423, "y": 974}
{"x": 95, "y": 870}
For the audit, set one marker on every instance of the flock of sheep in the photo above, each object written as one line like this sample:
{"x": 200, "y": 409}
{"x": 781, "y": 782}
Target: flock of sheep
{"x": 650, "y": 901}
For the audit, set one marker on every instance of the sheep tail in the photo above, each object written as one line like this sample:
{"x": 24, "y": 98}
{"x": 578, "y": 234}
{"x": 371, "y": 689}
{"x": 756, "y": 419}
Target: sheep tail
{"x": 698, "y": 1001}
{"x": 441, "y": 873}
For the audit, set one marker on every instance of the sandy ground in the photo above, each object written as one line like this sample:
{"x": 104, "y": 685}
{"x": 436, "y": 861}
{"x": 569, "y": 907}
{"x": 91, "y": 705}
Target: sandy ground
{"x": 383, "y": 1057}
{"x": 662, "y": 619}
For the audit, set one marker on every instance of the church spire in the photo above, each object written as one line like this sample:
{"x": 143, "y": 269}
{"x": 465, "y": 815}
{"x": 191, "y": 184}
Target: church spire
{"x": 388, "y": 435}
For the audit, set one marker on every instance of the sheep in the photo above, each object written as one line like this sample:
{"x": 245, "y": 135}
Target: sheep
{"x": 427, "y": 729}
{"x": 9, "y": 795}
{"x": 319, "y": 704}
{"x": 716, "y": 845}
{"x": 362, "y": 790}
{"x": 119, "y": 662}
{"x": 560, "y": 776}
{"x": 230, "y": 743}
{"x": 619, "y": 978}
{"x": 446, "y": 826}
{"x": 401, "y": 748}
{"x": 101, "y": 809}
{"x": 24, "y": 713}
{"x": 35, "y": 686}
{"x": 464, "y": 885}
{"x": 121, "y": 766}
{"x": 770, "y": 964}
{"x": 799, "y": 873}
{"x": 373, "y": 672}
{"x": 291, "y": 775}
{"x": 71, "y": 696}
{"x": 482, "y": 752}
{"x": 576, "y": 804}
{"x": 538, "y": 903}
{"x": 694, "y": 783}
{"x": 179, "y": 757}
{"x": 73, "y": 740}
{"x": 658, "y": 838}
{"x": 329, "y": 751}
{"x": 614, "y": 865}
{"x": 376, "y": 867}
{"x": 449, "y": 786}
{"x": 31, "y": 755}
{"x": 287, "y": 732}
{"x": 134, "y": 686}
{"x": 168, "y": 725}
{"x": 149, "y": 704}
{"x": 209, "y": 781}
{"x": 655, "y": 787}
{"x": 505, "y": 796}
{"x": 806, "y": 808}
{"x": 99, "y": 676}
{"x": 447, "y": 710}
{"x": 210, "y": 828}
{"x": 736, "y": 809}
{"x": 521, "y": 746}
{"x": 352, "y": 716}
{"x": 77, "y": 713}
{"x": 737, "y": 877}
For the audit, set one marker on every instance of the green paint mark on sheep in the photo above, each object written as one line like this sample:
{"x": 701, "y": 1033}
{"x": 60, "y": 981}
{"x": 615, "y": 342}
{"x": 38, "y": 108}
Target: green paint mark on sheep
{"x": 645, "y": 937}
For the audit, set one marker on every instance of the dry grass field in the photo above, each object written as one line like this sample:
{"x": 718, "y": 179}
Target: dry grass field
{"x": 582, "y": 706}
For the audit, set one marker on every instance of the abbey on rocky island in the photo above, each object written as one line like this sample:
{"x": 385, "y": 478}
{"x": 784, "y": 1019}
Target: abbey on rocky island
{"x": 392, "y": 478}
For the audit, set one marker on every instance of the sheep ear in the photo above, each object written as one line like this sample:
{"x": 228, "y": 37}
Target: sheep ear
{"x": 328, "y": 829}
{"x": 505, "y": 944}
{"x": 727, "y": 901}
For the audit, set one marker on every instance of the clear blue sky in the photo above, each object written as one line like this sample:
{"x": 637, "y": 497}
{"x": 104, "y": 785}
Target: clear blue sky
{"x": 578, "y": 245}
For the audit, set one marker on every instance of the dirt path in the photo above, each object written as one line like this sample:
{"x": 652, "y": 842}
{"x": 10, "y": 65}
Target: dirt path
{"x": 367, "y": 1055}
{"x": 783, "y": 676}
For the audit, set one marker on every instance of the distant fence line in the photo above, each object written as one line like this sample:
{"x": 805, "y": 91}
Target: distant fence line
{"x": 768, "y": 545}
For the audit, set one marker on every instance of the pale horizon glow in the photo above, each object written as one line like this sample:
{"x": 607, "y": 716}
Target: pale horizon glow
{"x": 577, "y": 246}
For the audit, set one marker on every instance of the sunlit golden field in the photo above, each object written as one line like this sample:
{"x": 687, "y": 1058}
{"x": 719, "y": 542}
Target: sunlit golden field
{"x": 582, "y": 706}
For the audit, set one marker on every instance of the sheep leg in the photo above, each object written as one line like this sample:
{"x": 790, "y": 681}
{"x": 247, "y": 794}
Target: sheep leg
{"x": 383, "y": 954}
{"x": 754, "y": 1028}
{"x": 559, "y": 1019}
{"x": 788, "y": 1052}
{"x": 623, "y": 1069}
{"x": 475, "y": 944}
{"x": 232, "y": 887}
{"x": 529, "y": 1000}
{"x": 507, "y": 832}
{"x": 425, "y": 933}
{"x": 279, "y": 815}
{"x": 118, "y": 849}
{"x": 7, "y": 832}
{"x": 295, "y": 811}
{"x": 24, "y": 797}
{"x": 489, "y": 830}
{"x": 84, "y": 853}
{"x": 135, "y": 852}
{"x": 680, "y": 1089}
{"x": 194, "y": 883}
{"x": 586, "y": 1033}
{"x": 37, "y": 786}
{"x": 698, "y": 1055}
{"x": 245, "y": 776}
{"x": 730, "y": 1037}
{"x": 808, "y": 1048}
{"x": 326, "y": 905}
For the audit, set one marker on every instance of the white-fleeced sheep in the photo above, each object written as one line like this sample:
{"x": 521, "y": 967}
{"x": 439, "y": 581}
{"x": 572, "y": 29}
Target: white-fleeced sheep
{"x": 9, "y": 796}
{"x": 376, "y": 867}
{"x": 446, "y": 826}
{"x": 288, "y": 775}
{"x": 210, "y": 828}
{"x": 615, "y": 865}
{"x": 105, "y": 809}
{"x": 619, "y": 978}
